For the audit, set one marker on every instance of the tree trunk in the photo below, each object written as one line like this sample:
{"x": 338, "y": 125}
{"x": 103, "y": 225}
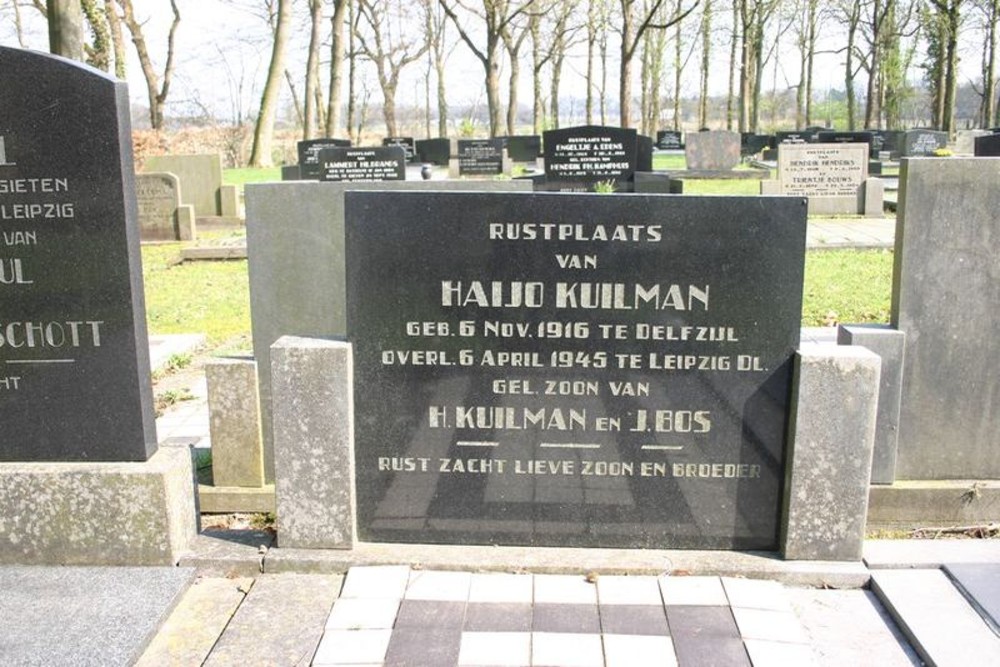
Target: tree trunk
{"x": 310, "y": 128}
{"x": 706, "y": 56}
{"x": 117, "y": 39}
{"x": 352, "y": 71}
{"x": 591, "y": 46}
{"x": 336, "y": 95}
{"x": 810, "y": 59}
{"x": 98, "y": 55}
{"x": 66, "y": 28}
{"x": 260, "y": 155}
{"x": 731, "y": 90}
{"x": 678, "y": 67}
{"x": 156, "y": 92}
{"x": 537, "y": 62}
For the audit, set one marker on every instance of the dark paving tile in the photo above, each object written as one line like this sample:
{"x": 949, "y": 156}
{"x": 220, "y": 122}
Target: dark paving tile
{"x": 634, "y": 619}
{"x": 698, "y": 622}
{"x": 708, "y": 651}
{"x": 981, "y": 583}
{"x": 430, "y": 614}
{"x": 423, "y": 647}
{"x": 498, "y": 617}
{"x": 578, "y": 618}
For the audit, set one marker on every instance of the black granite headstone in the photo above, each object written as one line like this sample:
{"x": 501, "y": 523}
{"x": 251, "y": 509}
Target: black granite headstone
{"x": 309, "y": 168}
{"x": 796, "y": 137}
{"x": 406, "y": 143}
{"x": 923, "y": 143}
{"x": 577, "y": 158}
{"x": 988, "y": 145}
{"x": 479, "y": 157}
{"x": 434, "y": 151}
{"x": 835, "y": 137}
{"x": 362, "y": 165}
{"x": 588, "y": 371}
{"x": 643, "y": 153}
{"x": 752, "y": 144}
{"x": 668, "y": 140}
{"x": 522, "y": 147}
{"x": 74, "y": 355}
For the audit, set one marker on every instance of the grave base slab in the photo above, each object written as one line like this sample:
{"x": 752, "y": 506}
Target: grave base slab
{"x": 98, "y": 513}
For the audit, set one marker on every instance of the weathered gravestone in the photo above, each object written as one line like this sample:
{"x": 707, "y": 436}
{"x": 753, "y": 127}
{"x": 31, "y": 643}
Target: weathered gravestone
{"x": 308, "y": 150}
{"x": 833, "y": 176}
{"x": 74, "y": 357}
{"x": 160, "y": 214}
{"x": 297, "y": 271}
{"x": 479, "y": 157}
{"x": 361, "y": 165}
{"x": 946, "y": 299}
{"x": 406, "y": 143}
{"x": 200, "y": 177}
{"x": 578, "y": 158}
{"x": 716, "y": 150}
{"x": 922, "y": 142}
{"x": 589, "y": 371}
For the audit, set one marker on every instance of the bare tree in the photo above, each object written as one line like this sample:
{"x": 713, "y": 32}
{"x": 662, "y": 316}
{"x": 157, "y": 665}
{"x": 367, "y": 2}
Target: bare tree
{"x": 754, "y": 18}
{"x": 337, "y": 52}
{"x": 734, "y": 39}
{"x": 513, "y": 34}
{"x": 388, "y": 49}
{"x": 495, "y": 15}
{"x": 65, "y": 28}
{"x": 705, "y": 31}
{"x": 631, "y": 31}
{"x": 989, "y": 14}
{"x": 435, "y": 23}
{"x": 562, "y": 40}
{"x": 948, "y": 17}
{"x": 156, "y": 91}
{"x": 260, "y": 155}
{"x": 312, "y": 111}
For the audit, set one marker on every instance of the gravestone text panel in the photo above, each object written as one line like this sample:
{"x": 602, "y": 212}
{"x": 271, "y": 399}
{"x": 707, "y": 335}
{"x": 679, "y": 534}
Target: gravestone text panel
{"x": 574, "y": 370}
{"x": 74, "y": 360}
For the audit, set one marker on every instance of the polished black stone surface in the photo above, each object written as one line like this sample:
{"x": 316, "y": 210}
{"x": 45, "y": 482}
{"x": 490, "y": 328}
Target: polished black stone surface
{"x": 309, "y": 167}
{"x": 752, "y": 144}
{"x": 988, "y": 145}
{"x": 522, "y": 147}
{"x": 528, "y": 368}
{"x": 923, "y": 142}
{"x": 834, "y": 137}
{"x": 479, "y": 157}
{"x": 406, "y": 143}
{"x": 669, "y": 140}
{"x": 434, "y": 151}
{"x": 796, "y": 137}
{"x": 577, "y": 158}
{"x": 643, "y": 154}
{"x": 74, "y": 358}
{"x": 361, "y": 165}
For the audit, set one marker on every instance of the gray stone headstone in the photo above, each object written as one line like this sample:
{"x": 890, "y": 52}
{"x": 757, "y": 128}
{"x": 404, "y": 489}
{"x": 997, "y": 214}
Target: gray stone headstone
{"x": 297, "y": 280}
{"x": 159, "y": 196}
{"x": 74, "y": 359}
{"x": 831, "y": 175}
{"x": 946, "y": 299}
{"x": 200, "y": 177}
{"x": 714, "y": 150}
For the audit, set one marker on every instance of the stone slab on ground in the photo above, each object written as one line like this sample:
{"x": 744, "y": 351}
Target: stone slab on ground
{"x": 885, "y": 554}
{"x": 980, "y": 582}
{"x": 280, "y": 622}
{"x": 229, "y": 553}
{"x": 568, "y": 560}
{"x": 850, "y": 628}
{"x": 84, "y": 616}
{"x": 188, "y": 635}
{"x": 936, "y": 618}
{"x": 226, "y": 499}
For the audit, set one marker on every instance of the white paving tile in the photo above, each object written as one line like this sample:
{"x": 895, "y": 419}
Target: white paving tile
{"x": 517, "y": 588}
{"x": 352, "y": 647}
{"x": 557, "y": 649}
{"x": 756, "y": 594}
{"x": 639, "y": 651}
{"x": 565, "y": 588}
{"x": 435, "y": 585}
{"x": 362, "y": 614}
{"x": 779, "y": 654}
{"x": 769, "y": 625}
{"x": 495, "y": 649}
{"x": 616, "y": 589}
{"x": 693, "y": 591}
{"x": 376, "y": 582}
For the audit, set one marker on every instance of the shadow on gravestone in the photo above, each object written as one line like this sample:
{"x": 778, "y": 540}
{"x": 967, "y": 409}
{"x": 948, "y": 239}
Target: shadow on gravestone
{"x": 74, "y": 363}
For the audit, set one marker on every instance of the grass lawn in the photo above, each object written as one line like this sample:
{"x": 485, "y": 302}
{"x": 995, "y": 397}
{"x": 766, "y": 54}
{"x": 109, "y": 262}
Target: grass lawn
{"x": 250, "y": 175}
{"x": 213, "y": 297}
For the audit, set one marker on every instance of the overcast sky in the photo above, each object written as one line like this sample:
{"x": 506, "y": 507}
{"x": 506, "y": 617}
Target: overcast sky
{"x": 223, "y": 52}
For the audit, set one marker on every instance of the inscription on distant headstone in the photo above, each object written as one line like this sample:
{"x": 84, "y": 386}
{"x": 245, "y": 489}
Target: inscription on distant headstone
{"x": 158, "y": 196}
{"x": 406, "y": 143}
{"x": 361, "y": 165}
{"x": 917, "y": 143}
{"x": 74, "y": 364}
{"x": 588, "y": 371}
{"x": 669, "y": 140}
{"x": 577, "y": 158}
{"x": 822, "y": 170}
{"x": 479, "y": 157}
{"x": 309, "y": 166}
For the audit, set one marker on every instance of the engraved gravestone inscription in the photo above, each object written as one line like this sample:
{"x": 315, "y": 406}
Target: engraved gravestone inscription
{"x": 309, "y": 167}
{"x": 577, "y": 158}
{"x": 361, "y": 165}
{"x": 588, "y": 371}
{"x": 74, "y": 360}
